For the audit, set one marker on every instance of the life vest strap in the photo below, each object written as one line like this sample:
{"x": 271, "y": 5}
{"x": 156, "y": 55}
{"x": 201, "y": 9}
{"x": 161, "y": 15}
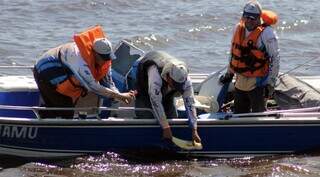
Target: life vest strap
{"x": 84, "y": 90}
{"x": 249, "y": 61}
{"x": 246, "y": 69}
{"x": 242, "y": 48}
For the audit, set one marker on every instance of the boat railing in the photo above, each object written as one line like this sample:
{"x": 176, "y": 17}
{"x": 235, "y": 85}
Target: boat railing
{"x": 297, "y": 110}
{"x": 292, "y": 113}
{"x": 276, "y": 115}
{"x": 301, "y": 112}
{"x": 81, "y": 110}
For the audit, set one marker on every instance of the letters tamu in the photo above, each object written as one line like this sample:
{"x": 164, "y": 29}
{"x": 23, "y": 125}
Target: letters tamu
{"x": 8, "y": 131}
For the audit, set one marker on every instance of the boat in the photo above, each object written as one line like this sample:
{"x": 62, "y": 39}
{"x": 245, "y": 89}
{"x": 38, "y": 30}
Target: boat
{"x": 99, "y": 127}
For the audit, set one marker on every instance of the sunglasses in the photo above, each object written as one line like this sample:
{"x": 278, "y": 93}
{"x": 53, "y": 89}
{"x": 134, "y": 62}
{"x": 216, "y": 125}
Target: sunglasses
{"x": 251, "y": 16}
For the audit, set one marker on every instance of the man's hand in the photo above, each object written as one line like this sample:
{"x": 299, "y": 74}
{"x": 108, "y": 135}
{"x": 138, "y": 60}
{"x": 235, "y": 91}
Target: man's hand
{"x": 127, "y": 97}
{"x": 195, "y": 136}
{"x": 269, "y": 90}
{"x": 134, "y": 92}
{"x": 166, "y": 133}
{"x": 226, "y": 78}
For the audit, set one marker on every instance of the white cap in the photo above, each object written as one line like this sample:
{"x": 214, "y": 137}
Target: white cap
{"x": 178, "y": 73}
{"x": 252, "y": 9}
{"x": 103, "y": 46}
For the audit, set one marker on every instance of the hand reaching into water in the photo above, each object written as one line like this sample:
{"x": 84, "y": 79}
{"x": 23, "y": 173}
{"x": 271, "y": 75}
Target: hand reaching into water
{"x": 195, "y": 136}
{"x": 166, "y": 133}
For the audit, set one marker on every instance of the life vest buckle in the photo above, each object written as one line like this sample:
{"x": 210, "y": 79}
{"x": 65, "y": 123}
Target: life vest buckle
{"x": 250, "y": 44}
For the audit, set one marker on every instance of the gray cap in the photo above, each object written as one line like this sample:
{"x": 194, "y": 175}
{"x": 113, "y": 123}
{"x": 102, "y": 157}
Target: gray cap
{"x": 103, "y": 46}
{"x": 178, "y": 73}
{"x": 252, "y": 9}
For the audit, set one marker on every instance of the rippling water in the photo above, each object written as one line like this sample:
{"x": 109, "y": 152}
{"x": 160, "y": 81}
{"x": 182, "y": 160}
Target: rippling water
{"x": 111, "y": 164}
{"x": 199, "y": 32}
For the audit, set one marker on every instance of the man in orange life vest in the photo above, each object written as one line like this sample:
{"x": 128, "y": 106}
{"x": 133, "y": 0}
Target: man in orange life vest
{"x": 63, "y": 75}
{"x": 254, "y": 59}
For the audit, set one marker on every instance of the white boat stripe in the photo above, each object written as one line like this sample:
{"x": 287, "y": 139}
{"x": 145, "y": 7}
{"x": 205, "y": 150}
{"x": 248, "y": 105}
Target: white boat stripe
{"x": 35, "y": 152}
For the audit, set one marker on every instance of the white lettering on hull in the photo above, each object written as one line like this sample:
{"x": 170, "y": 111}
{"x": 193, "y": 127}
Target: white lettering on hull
{"x": 24, "y": 132}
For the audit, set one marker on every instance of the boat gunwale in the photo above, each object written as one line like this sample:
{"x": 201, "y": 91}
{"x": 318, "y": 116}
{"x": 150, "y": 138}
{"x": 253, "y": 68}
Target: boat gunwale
{"x": 183, "y": 122}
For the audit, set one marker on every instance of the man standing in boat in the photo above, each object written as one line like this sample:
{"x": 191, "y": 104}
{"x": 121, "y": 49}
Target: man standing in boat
{"x": 160, "y": 78}
{"x": 254, "y": 59}
{"x": 65, "y": 73}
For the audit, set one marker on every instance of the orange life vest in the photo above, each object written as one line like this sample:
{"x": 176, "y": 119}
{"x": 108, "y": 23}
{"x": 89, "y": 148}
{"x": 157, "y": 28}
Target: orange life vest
{"x": 247, "y": 59}
{"x": 84, "y": 41}
{"x": 269, "y": 17}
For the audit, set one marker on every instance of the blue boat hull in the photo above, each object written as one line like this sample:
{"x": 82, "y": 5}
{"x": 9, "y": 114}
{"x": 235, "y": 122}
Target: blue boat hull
{"x": 62, "y": 138}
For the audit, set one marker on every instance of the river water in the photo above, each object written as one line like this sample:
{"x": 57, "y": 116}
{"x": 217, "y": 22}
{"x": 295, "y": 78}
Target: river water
{"x": 198, "y": 32}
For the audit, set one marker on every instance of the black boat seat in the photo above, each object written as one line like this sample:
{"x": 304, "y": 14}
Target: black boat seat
{"x": 123, "y": 67}
{"x": 124, "y": 60}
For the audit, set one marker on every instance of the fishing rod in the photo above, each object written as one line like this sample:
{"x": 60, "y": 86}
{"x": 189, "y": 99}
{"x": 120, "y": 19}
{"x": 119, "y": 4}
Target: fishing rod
{"x": 299, "y": 66}
{"x": 277, "y": 115}
{"x": 16, "y": 67}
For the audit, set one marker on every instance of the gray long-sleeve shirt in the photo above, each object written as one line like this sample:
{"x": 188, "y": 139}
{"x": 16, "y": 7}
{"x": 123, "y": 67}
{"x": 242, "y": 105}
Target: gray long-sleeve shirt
{"x": 154, "y": 90}
{"x": 71, "y": 57}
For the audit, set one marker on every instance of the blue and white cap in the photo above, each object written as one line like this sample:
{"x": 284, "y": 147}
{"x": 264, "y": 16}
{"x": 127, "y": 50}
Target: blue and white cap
{"x": 252, "y": 10}
{"x": 178, "y": 73}
{"x": 104, "y": 48}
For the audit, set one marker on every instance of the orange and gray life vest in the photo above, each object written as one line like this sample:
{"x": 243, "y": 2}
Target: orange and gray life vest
{"x": 84, "y": 42}
{"x": 62, "y": 77}
{"x": 246, "y": 58}
{"x": 55, "y": 72}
